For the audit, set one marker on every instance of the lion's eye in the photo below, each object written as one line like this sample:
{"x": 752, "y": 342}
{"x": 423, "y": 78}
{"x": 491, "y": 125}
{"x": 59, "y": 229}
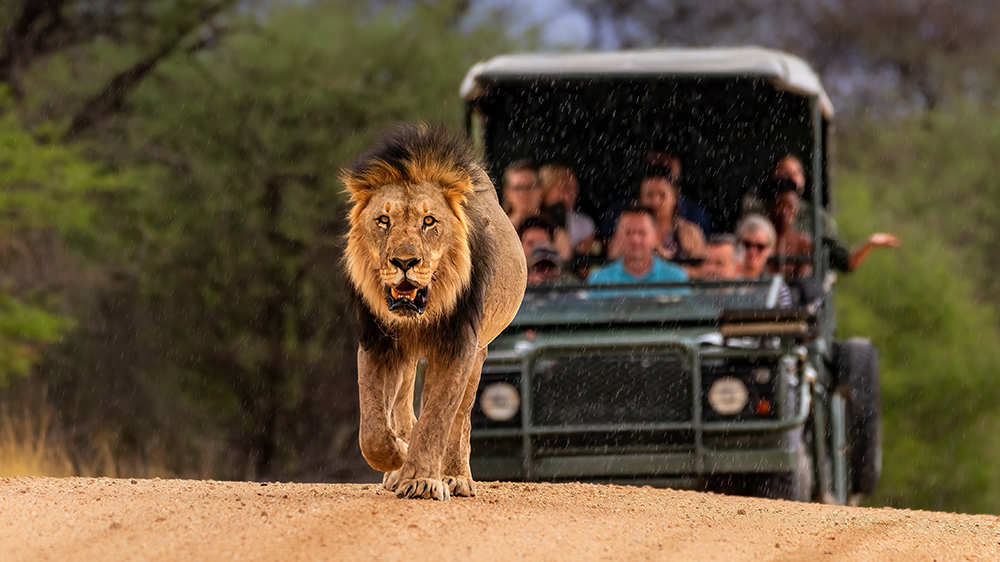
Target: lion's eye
{"x": 429, "y": 221}
{"x": 382, "y": 221}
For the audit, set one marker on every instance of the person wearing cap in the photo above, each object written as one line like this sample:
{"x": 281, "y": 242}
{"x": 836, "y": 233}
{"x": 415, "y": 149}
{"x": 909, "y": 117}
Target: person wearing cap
{"x": 544, "y": 266}
{"x": 538, "y": 231}
{"x": 638, "y": 240}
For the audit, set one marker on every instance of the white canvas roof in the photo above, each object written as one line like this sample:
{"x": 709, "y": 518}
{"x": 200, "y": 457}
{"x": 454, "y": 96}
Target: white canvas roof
{"x": 786, "y": 71}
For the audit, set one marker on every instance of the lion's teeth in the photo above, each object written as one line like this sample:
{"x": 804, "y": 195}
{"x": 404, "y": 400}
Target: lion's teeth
{"x": 409, "y": 295}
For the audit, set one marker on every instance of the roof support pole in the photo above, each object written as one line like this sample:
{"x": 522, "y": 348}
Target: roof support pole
{"x": 819, "y": 253}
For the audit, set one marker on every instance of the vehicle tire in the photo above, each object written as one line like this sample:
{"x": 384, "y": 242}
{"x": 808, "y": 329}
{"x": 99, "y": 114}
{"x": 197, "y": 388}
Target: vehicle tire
{"x": 856, "y": 369}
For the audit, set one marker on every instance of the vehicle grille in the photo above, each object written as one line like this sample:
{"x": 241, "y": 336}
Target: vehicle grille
{"x": 644, "y": 386}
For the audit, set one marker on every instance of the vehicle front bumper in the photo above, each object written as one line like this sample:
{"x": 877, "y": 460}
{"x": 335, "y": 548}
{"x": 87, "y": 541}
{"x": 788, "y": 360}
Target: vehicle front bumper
{"x": 707, "y": 448}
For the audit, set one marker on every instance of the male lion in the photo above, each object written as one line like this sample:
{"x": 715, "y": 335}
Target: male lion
{"x": 438, "y": 272}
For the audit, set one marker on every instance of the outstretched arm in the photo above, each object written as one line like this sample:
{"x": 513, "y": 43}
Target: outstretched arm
{"x": 878, "y": 239}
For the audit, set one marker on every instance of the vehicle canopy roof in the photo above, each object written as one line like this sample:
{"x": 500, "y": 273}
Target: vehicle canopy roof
{"x": 727, "y": 115}
{"x": 784, "y": 71}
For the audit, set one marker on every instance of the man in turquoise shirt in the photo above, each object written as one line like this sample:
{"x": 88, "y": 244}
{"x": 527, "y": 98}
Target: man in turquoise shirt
{"x": 639, "y": 263}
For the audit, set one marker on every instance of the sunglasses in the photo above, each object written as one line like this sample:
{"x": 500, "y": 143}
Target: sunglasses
{"x": 524, "y": 186}
{"x": 754, "y": 245}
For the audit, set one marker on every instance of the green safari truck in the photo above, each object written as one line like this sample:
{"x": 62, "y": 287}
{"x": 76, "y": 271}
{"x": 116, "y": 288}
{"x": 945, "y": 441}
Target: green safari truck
{"x": 712, "y": 385}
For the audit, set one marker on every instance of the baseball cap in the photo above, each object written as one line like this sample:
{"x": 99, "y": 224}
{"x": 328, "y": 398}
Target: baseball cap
{"x": 544, "y": 254}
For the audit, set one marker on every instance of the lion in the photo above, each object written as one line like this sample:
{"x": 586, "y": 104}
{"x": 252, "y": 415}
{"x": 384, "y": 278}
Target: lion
{"x": 437, "y": 272}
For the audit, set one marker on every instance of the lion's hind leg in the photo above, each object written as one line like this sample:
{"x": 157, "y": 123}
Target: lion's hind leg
{"x": 457, "y": 473}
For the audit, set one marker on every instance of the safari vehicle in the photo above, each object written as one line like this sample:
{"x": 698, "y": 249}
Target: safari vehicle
{"x": 704, "y": 385}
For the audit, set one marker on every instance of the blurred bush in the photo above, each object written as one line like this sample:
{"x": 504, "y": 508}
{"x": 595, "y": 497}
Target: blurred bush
{"x": 931, "y": 307}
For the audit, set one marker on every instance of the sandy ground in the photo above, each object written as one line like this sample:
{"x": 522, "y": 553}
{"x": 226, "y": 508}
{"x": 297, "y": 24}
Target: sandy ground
{"x": 119, "y": 519}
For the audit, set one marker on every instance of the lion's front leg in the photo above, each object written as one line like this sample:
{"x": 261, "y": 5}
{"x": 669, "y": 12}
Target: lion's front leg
{"x": 402, "y": 419}
{"x": 457, "y": 473}
{"x": 379, "y": 380}
{"x": 445, "y": 385}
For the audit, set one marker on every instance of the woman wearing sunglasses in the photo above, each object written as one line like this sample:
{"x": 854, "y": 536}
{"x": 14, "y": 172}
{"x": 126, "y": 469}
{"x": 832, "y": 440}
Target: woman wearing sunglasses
{"x": 757, "y": 236}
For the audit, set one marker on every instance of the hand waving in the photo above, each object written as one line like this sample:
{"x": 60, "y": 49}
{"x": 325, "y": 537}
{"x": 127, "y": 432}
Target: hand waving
{"x": 883, "y": 239}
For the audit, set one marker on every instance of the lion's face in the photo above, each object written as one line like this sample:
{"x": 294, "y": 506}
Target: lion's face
{"x": 408, "y": 252}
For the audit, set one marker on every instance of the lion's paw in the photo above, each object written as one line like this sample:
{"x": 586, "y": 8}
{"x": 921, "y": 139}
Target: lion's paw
{"x": 390, "y": 480}
{"x": 462, "y": 486}
{"x": 423, "y": 488}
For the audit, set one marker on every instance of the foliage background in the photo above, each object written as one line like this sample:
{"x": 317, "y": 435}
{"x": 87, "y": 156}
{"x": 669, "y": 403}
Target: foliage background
{"x": 931, "y": 308}
{"x": 170, "y": 221}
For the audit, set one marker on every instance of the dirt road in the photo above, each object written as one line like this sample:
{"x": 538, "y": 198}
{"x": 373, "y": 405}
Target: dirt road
{"x": 174, "y": 520}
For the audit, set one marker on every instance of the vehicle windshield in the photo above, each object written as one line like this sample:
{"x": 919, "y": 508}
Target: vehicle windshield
{"x": 554, "y": 304}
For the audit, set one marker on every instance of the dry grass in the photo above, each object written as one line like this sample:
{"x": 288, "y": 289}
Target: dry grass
{"x": 26, "y": 450}
{"x": 29, "y": 447}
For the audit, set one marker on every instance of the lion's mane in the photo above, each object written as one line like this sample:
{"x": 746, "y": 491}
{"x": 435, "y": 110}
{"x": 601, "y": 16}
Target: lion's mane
{"x": 411, "y": 154}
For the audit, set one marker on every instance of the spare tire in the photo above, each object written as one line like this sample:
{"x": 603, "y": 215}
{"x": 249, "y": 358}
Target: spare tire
{"x": 856, "y": 369}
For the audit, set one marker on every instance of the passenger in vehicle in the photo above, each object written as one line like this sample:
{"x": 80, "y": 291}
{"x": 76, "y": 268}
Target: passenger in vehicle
{"x": 790, "y": 242}
{"x": 841, "y": 259}
{"x": 724, "y": 260}
{"x": 678, "y": 238}
{"x": 790, "y": 167}
{"x": 544, "y": 266}
{"x": 686, "y": 208}
{"x": 637, "y": 235}
{"x": 536, "y": 231}
{"x": 787, "y": 167}
{"x": 522, "y": 192}
{"x": 757, "y": 236}
{"x": 561, "y": 190}
{"x": 659, "y": 163}
{"x": 848, "y": 261}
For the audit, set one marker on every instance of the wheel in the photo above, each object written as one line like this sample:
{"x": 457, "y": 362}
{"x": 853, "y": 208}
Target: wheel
{"x": 856, "y": 369}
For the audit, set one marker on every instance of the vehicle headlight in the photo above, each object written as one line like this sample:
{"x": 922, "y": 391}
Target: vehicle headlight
{"x": 500, "y": 401}
{"x": 728, "y": 395}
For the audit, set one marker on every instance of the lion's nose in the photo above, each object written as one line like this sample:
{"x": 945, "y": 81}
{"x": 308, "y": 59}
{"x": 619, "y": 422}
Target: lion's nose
{"x": 404, "y": 264}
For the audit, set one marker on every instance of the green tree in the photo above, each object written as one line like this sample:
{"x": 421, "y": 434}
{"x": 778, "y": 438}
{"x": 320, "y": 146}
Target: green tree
{"x": 49, "y": 195}
{"x": 931, "y": 307}
{"x": 226, "y": 333}
{"x": 97, "y": 51}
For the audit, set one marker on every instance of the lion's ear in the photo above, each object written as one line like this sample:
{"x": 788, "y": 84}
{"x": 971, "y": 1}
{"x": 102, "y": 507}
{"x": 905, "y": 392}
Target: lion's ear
{"x": 456, "y": 185}
{"x": 358, "y": 193}
{"x": 364, "y": 181}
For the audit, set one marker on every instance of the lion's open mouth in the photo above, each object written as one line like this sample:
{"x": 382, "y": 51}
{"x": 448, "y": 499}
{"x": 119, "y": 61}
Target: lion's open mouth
{"x": 406, "y": 297}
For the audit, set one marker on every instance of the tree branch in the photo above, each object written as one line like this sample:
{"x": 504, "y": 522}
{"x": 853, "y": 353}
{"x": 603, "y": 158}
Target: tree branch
{"x": 110, "y": 99}
{"x": 21, "y": 37}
